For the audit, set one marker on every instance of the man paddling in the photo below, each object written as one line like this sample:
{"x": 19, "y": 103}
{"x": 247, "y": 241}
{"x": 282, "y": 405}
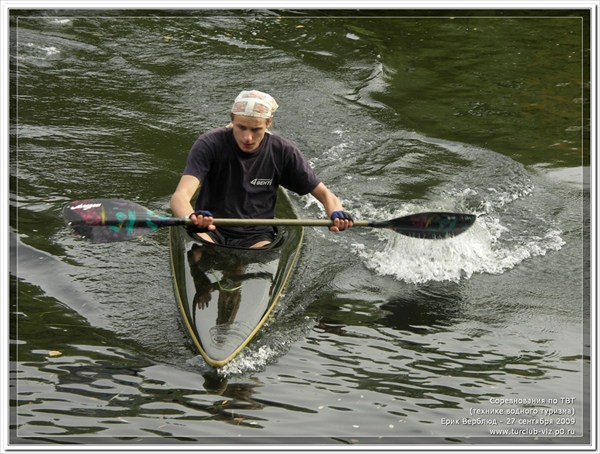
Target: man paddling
{"x": 239, "y": 169}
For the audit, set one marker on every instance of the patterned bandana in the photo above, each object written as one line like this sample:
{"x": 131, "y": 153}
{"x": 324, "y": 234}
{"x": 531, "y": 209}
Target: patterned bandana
{"x": 254, "y": 103}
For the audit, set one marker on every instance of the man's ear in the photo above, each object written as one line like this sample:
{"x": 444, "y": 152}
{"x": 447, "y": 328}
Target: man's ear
{"x": 269, "y": 122}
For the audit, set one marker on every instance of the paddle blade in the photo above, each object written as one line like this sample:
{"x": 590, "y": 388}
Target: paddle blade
{"x": 109, "y": 220}
{"x": 429, "y": 225}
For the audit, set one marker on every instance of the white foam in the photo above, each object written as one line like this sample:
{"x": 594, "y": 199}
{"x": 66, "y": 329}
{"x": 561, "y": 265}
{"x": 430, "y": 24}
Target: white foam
{"x": 249, "y": 361}
{"x": 479, "y": 250}
{"x": 47, "y": 50}
{"x": 61, "y": 21}
{"x": 265, "y": 350}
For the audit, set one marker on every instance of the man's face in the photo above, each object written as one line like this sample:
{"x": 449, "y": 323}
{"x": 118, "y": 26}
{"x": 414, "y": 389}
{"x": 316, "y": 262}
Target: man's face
{"x": 249, "y": 131}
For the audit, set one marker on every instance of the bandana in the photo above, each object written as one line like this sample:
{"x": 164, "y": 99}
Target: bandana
{"x": 254, "y": 103}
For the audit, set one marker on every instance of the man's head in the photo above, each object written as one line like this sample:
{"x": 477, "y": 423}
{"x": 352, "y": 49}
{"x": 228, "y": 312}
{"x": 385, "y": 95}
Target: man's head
{"x": 254, "y": 103}
{"x": 251, "y": 116}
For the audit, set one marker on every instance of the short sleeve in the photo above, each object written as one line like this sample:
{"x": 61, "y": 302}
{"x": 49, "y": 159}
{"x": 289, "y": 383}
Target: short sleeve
{"x": 298, "y": 175}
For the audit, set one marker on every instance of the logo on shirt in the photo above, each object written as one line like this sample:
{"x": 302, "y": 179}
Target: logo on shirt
{"x": 262, "y": 182}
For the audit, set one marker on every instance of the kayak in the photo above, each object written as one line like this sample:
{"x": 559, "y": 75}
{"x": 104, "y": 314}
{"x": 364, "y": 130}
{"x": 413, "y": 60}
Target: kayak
{"x": 226, "y": 294}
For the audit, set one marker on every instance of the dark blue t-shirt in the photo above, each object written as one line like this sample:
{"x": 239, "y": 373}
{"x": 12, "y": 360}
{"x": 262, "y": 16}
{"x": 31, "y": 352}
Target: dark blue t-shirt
{"x": 235, "y": 184}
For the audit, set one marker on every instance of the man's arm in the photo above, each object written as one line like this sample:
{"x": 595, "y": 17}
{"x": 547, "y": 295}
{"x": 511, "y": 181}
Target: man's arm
{"x": 331, "y": 203}
{"x": 181, "y": 202}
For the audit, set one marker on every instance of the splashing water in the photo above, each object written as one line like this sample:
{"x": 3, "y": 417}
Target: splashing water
{"x": 477, "y": 251}
{"x": 516, "y": 215}
{"x": 272, "y": 344}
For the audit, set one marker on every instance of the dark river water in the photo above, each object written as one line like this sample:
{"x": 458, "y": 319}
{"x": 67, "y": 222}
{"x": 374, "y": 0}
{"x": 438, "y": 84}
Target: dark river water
{"x": 380, "y": 339}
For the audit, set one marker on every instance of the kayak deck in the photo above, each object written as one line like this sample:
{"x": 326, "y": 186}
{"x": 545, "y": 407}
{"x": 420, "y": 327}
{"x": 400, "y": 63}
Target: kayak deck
{"x": 226, "y": 294}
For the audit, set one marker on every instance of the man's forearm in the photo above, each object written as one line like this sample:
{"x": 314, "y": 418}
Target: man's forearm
{"x": 181, "y": 206}
{"x": 328, "y": 199}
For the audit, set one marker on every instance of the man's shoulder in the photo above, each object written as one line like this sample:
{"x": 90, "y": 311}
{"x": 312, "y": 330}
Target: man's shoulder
{"x": 213, "y": 139}
{"x": 215, "y": 134}
{"x": 281, "y": 142}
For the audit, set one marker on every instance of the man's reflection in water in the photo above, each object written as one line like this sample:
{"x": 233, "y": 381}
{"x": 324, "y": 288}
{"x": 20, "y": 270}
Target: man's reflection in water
{"x": 217, "y": 270}
{"x": 229, "y": 285}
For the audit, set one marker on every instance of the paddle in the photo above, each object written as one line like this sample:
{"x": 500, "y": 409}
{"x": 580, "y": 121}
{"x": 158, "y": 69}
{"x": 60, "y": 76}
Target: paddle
{"x": 108, "y": 220}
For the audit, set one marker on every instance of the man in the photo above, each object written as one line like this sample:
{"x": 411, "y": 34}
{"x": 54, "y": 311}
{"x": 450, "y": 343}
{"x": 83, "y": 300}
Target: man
{"x": 239, "y": 169}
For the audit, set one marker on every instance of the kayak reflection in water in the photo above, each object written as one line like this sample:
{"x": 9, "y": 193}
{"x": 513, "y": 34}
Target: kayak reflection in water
{"x": 238, "y": 170}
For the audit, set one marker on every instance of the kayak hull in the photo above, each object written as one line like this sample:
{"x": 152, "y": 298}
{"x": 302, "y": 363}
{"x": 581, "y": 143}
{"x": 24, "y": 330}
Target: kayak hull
{"x": 226, "y": 294}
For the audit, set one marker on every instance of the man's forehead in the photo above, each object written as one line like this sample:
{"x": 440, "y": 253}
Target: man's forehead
{"x": 250, "y": 122}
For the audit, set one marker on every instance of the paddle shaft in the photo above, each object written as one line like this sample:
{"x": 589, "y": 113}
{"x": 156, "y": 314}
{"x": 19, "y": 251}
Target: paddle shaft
{"x": 282, "y": 222}
{"x": 170, "y": 222}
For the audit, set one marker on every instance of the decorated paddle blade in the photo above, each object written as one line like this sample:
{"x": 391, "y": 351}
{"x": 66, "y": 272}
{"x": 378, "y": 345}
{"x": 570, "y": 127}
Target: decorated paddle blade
{"x": 109, "y": 220}
{"x": 429, "y": 225}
